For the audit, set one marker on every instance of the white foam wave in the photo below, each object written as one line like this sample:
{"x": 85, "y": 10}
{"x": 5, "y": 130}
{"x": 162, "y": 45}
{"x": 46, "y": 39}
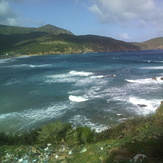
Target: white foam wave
{"x": 5, "y": 60}
{"x": 79, "y": 80}
{"x": 17, "y": 66}
{"x": 77, "y": 98}
{"x": 13, "y": 81}
{"x": 38, "y": 66}
{"x": 98, "y": 76}
{"x": 159, "y": 61}
{"x": 24, "y": 56}
{"x": 156, "y": 80}
{"x": 89, "y": 94}
{"x": 91, "y": 81}
{"x": 153, "y": 68}
{"x": 27, "y": 65}
{"x": 144, "y": 106}
{"x": 81, "y": 73}
{"x": 80, "y": 120}
{"x": 60, "y": 78}
{"x": 31, "y": 117}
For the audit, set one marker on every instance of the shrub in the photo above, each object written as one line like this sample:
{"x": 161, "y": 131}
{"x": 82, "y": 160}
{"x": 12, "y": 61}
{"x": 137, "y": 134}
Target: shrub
{"x": 54, "y": 132}
{"x": 85, "y": 135}
{"x": 27, "y": 137}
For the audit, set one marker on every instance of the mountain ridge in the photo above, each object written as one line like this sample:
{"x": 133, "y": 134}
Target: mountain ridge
{"x": 5, "y": 29}
{"x": 49, "y": 39}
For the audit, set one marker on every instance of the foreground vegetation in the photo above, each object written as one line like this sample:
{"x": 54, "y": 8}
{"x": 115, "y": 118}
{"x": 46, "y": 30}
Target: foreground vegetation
{"x": 59, "y": 142}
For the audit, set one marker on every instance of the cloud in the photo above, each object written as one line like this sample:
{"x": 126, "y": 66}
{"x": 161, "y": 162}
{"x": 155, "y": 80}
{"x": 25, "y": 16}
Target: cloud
{"x": 125, "y": 12}
{"x": 125, "y": 36}
{"x": 7, "y": 16}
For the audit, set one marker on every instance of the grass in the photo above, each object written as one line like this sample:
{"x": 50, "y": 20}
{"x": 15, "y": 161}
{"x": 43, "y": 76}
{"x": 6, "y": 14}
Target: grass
{"x": 141, "y": 135}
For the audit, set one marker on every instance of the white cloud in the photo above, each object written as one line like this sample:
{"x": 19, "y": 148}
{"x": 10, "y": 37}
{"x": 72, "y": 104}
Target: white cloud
{"x": 7, "y": 16}
{"x": 11, "y": 21}
{"x": 3, "y": 7}
{"x": 126, "y": 11}
{"x": 125, "y": 36}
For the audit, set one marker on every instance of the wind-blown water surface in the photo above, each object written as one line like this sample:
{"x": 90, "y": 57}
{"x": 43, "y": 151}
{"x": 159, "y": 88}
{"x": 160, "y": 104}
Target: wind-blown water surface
{"x": 97, "y": 90}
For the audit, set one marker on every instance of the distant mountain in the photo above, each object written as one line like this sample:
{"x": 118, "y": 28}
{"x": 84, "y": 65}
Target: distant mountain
{"x": 10, "y": 30}
{"x": 50, "y": 39}
{"x": 53, "y": 29}
{"x": 155, "y": 43}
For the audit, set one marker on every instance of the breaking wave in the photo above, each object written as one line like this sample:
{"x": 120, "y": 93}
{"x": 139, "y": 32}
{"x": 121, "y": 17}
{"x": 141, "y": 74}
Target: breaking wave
{"x": 80, "y": 120}
{"x": 81, "y": 73}
{"x": 32, "y": 117}
{"x": 153, "y": 68}
{"x": 77, "y": 98}
{"x": 154, "y": 80}
{"x": 144, "y": 106}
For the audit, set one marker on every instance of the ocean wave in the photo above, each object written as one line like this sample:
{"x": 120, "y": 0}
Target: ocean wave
{"x": 77, "y": 98}
{"x": 102, "y": 76}
{"x": 80, "y": 120}
{"x": 152, "y": 61}
{"x": 82, "y": 79}
{"x": 17, "y": 66}
{"x": 153, "y": 68}
{"x": 144, "y": 106}
{"x": 155, "y": 80}
{"x": 5, "y": 60}
{"x": 13, "y": 81}
{"x": 80, "y": 73}
{"x": 91, "y": 81}
{"x": 98, "y": 76}
{"x": 70, "y": 77}
{"x": 90, "y": 93}
{"x": 27, "y": 65}
{"x": 60, "y": 78}
{"x": 159, "y": 61}
{"x": 39, "y": 66}
{"x": 32, "y": 117}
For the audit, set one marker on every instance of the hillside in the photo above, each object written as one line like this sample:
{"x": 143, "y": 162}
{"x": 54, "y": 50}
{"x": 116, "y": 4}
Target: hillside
{"x": 49, "y": 39}
{"x": 155, "y": 43}
{"x": 11, "y": 30}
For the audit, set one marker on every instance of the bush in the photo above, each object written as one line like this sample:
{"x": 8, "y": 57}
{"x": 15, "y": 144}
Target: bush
{"x": 85, "y": 135}
{"x": 28, "y": 137}
{"x": 54, "y": 132}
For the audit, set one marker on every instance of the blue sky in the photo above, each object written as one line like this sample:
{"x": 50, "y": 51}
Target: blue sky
{"x": 128, "y": 20}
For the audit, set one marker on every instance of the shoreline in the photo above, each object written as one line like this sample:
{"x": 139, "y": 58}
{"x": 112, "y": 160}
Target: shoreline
{"x": 122, "y": 143}
{"x": 37, "y": 54}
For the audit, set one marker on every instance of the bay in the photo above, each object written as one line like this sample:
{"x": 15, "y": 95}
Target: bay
{"x": 98, "y": 90}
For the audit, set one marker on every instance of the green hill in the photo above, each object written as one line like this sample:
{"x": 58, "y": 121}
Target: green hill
{"x": 155, "y": 43}
{"x": 53, "y": 29}
{"x": 10, "y": 30}
{"x": 50, "y": 39}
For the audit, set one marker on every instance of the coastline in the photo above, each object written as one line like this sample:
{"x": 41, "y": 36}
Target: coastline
{"x": 125, "y": 142}
{"x": 91, "y": 79}
{"x": 83, "y": 52}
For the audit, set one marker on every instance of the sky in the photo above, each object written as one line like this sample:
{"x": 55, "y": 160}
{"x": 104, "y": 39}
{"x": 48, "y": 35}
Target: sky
{"x": 127, "y": 20}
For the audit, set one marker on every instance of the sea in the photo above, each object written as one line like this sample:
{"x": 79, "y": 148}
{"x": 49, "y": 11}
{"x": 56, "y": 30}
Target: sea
{"x": 98, "y": 90}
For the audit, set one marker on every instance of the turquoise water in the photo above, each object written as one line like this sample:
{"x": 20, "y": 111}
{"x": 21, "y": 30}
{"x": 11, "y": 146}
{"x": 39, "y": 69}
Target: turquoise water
{"x": 97, "y": 90}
